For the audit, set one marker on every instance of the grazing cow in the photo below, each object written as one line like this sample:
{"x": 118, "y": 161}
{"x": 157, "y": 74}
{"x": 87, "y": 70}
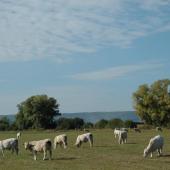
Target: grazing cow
{"x": 122, "y": 137}
{"x": 87, "y": 137}
{"x": 155, "y": 143}
{"x": 61, "y": 140}
{"x": 159, "y": 129}
{"x": 9, "y": 144}
{"x": 40, "y": 146}
{"x": 137, "y": 130}
{"x": 18, "y": 135}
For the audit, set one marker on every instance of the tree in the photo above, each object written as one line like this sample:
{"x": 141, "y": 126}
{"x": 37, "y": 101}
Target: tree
{"x": 4, "y": 123}
{"x": 152, "y": 103}
{"x": 88, "y": 125}
{"x": 115, "y": 123}
{"x": 37, "y": 112}
{"x": 69, "y": 123}
{"x": 129, "y": 124}
{"x": 101, "y": 124}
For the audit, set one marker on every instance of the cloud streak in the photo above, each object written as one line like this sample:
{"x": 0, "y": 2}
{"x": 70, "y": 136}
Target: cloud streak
{"x": 36, "y": 30}
{"x": 115, "y": 72}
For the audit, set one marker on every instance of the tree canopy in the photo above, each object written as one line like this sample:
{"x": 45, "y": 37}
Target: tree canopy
{"x": 152, "y": 103}
{"x": 4, "y": 123}
{"x": 37, "y": 112}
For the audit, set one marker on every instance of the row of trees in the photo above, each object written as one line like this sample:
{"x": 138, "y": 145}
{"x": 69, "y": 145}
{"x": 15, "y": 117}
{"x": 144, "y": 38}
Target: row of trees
{"x": 75, "y": 123}
{"x": 152, "y": 105}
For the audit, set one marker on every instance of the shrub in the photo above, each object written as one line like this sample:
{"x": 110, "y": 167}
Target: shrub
{"x": 69, "y": 123}
{"x": 115, "y": 123}
{"x": 101, "y": 124}
{"x": 4, "y": 123}
{"x": 88, "y": 125}
{"x": 130, "y": 124}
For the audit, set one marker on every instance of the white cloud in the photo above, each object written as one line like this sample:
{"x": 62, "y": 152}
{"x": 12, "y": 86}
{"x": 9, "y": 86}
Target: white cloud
{"x": 114, "y": 72}
{"x": 35, "y": 30}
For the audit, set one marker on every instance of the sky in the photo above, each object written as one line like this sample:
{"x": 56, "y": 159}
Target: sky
{"x": 89, "y": 55}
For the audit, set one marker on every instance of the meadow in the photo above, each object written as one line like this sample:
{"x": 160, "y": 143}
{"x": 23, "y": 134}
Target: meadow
{"x": 106, "y": 154}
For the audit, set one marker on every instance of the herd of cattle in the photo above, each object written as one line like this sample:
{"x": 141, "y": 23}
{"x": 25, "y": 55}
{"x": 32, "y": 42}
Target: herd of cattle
{"x": 45, "y": 145}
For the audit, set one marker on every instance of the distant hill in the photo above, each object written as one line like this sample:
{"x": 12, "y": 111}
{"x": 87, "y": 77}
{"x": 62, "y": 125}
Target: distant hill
{"x": 94, "y": 116}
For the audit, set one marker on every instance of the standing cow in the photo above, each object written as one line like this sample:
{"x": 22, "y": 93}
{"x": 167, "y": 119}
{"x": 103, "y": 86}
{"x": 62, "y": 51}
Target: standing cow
{"x": 9, "y": 144}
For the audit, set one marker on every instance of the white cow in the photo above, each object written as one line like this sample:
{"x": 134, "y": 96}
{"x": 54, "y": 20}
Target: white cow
{"x": 61, "y": 140}
{"x": 18, "y": 135}
{"x": 40, "y": 146}
{"x": 116, "y": 132}
{"x": 87, "y": 137}
{"x": 155, "y": 143}
{"x": 122, "y": 137}
{"x": 9, "y": 144}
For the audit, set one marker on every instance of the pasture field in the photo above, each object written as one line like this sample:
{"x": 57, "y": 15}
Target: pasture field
{"x": 106, "y": 154}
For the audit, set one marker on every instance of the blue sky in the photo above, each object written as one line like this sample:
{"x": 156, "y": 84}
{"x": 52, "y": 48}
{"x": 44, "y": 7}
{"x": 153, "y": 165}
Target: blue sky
{"x": 90, "y": 55}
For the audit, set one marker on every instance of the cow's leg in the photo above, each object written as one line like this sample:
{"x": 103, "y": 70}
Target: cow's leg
{"x": 2, "y": 152}
{"x": 16, "y": 150}
{"x": 12, "y": 150}
{"x": 91, "y": 141}
{"x": 35, "y": 155}
{"x": 55, "y": 145}
{"x": 45, "y": 154}
{"x": 159, "y": 152}
{"x": 50, "y": 154}
{"x": 151, "y": 154}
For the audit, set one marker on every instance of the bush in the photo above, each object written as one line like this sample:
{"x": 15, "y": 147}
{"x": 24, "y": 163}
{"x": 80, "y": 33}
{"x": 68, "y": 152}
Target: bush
{"x": 115, "y": 123}
{"x": 130, "y": 124}
{"x": 88, "y": 125}
{"x": 68, "y": 123}
{"x": 101, "y": 124}
{"x": 4, "y": 123}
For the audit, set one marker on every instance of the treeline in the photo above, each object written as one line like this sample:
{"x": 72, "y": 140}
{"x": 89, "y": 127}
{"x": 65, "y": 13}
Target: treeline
{"x": 73, "y": 123}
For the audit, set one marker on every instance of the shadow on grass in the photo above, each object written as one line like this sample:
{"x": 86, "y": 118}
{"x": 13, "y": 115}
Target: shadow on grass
{"x": 131, "y": 143}
{"x": 66, "y": 158}
{"x": 165, "y": 155}
{"x": 103, "y": 146}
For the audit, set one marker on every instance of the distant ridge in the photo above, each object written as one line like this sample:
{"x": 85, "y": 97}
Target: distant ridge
{"x": 94, "y": 116}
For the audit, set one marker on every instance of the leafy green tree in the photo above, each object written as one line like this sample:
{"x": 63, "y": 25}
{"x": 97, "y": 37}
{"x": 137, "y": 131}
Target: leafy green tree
{"x": 64, "y": 123}
{"x": 78, "y": 122}
{"x": 4, "y": 123}
{"x": 152, "y": 103}
{"x": 129, "y": 124}
{"x": 88, "y": 125}
{"x": 116, "y": 123}
{"x": 69, "y": 123}
{"x": 101, "y": 124}
{"x": 37, "y": 112}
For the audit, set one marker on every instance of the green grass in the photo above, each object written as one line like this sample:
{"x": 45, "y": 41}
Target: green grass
{"x": 106, "y": 154}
